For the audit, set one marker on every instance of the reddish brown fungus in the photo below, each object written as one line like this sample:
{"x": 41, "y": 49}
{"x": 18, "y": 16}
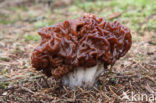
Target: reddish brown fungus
{"x": 80, "y": 42}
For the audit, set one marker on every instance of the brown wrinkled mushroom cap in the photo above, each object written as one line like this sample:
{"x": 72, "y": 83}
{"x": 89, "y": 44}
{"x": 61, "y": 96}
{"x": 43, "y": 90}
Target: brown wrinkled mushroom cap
{"x": 80, "y": 42}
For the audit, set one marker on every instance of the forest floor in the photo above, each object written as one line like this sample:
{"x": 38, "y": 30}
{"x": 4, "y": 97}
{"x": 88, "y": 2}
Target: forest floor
{"x": 135, "y": 72}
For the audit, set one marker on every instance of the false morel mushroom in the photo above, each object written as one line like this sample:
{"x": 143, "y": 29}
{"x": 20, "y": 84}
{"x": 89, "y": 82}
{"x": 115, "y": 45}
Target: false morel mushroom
{"x": 79, "y": 50}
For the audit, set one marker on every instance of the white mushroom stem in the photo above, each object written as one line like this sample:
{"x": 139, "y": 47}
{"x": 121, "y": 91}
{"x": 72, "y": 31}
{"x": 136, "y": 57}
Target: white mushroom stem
{"x": 83, "y": 77}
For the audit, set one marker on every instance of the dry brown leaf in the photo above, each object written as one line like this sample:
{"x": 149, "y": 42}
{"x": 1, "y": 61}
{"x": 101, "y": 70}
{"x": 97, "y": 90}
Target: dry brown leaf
{"x": 114, "y": 15}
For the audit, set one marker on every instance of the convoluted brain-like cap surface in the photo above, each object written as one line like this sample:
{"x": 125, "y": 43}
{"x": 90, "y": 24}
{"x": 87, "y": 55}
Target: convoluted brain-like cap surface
{"x": 81, "y": 42}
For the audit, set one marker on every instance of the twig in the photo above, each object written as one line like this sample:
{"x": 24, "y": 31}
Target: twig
{"x": 28, "y": 90}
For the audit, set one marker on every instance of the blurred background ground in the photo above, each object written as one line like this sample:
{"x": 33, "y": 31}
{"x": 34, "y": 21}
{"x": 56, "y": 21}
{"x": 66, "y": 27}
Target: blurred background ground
{"x": 19, "y": 23}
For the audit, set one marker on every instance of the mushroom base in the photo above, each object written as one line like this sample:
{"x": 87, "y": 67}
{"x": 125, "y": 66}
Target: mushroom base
{"x": 83, "y": 77}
